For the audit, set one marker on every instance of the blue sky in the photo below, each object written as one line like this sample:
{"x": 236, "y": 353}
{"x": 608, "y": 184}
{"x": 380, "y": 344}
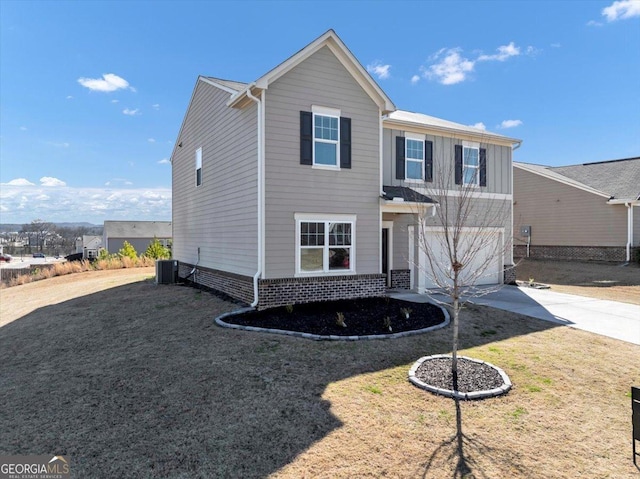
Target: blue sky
{"x": 93, "y": 93}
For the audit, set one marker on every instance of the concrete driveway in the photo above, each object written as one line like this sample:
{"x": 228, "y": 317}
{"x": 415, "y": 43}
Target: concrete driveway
{"x": 608, "y": 318}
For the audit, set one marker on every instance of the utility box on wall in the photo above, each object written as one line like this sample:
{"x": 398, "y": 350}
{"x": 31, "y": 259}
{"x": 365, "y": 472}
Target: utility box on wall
{"x": 525, "y": 231}
{"x": 166, "y": 271}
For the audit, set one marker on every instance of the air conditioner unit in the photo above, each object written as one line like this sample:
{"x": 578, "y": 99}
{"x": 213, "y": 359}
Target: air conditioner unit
{"x": 166, "y": 271}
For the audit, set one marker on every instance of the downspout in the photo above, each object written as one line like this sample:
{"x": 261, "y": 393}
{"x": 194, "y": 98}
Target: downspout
{"x": 629, "y": 230}
{"x": 260, "y": 117}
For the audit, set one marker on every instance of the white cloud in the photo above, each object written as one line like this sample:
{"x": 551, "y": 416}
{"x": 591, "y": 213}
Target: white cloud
{"x": 23, "y": 128}
{"x": 115, "y": 101}
{"x": 504, "y": 52}
{"x": 593, "y": 23}
{"x": 118, "y": 181}
{"x": 479, "y": 126}
{"x": 451, "y": 69}
{"x": 379, "y": 70}
{"x": 64, "y": 144}
{"x": 50, "y": 181}
{"x": 23, "y": 202}
{"x": 19, "y": 182}
{"x": 69, "y": 97}
{"x": 130, "y": 112}
{"x": 621, "y": 10}
{"x": 415, "y": 79}
{"x": 151, "y": 140}
{"x": 155, "y": 106}
{"x": 109, "y": 82}
{"x": 510, "y": 124}
{"x": 164, "y": 161}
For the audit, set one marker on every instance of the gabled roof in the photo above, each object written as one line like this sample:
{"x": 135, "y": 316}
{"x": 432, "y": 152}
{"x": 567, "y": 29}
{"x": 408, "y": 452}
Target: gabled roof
{"x": 137, "y": 229}
{"x": 419, "y": 120}
{"x": 330, "y": 40}
{"x": 236, "y": 86}
{"x": 617, "y": 180}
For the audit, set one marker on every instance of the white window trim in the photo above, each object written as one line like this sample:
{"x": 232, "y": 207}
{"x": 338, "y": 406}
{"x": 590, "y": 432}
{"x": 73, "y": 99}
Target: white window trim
{"x": 330, "y": 112}
{"x": 414, "y": 137}
{"x": 328, "y": 218}
{"x": 198, "y": 166}
{"x": 475, "y": 146}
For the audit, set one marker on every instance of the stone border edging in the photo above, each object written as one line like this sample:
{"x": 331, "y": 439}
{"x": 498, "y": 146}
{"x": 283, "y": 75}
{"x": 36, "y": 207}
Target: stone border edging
{"x": 319, "y": 337}
{"x": 506, "y": 386}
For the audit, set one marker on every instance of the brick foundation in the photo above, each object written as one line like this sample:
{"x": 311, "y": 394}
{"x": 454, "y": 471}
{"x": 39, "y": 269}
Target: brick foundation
{"x": 575, "y": 253}
{"x": 400, "y": 279}
{"x": 235, "y": 285}
{"x": 510, "y": 274}
{"x": 283, "y": 291}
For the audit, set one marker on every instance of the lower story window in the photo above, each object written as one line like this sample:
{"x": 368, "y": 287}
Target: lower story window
{"x": 325, "y": 246}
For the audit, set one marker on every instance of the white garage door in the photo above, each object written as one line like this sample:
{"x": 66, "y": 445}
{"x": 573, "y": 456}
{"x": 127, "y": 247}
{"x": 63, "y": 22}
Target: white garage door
{"x": 488, "y": 259}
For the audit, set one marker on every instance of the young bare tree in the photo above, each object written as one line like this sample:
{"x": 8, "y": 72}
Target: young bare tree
{"x": 467, "y": 233}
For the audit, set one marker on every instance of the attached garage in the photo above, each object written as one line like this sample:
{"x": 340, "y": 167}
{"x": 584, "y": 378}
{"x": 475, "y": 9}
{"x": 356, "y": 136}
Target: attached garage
{"x": 483, "y": 267}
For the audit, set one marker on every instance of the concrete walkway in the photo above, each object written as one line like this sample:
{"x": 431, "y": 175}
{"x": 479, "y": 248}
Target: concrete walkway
{"x": 608, "y": 318}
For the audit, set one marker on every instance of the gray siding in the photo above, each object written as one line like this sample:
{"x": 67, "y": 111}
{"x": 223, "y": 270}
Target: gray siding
{"x": 140, "y": 244}
{"x": 220, "y": 216}
{"x": 561, "y": 215}
{"x": 293, "y": 188}
{"x": 498, "y": 162}
{"x": 401, "y": 238}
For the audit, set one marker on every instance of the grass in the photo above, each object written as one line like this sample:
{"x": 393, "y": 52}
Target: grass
{"x": 137, "y": 381}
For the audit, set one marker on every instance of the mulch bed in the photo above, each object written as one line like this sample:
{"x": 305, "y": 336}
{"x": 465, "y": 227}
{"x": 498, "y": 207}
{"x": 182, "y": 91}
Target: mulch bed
{"x": 472, "y": 376}
{"x": 362, "y": 317}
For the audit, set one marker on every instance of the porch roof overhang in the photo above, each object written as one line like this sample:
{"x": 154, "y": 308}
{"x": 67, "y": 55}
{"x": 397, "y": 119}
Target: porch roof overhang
{"x": 401, "y": 199}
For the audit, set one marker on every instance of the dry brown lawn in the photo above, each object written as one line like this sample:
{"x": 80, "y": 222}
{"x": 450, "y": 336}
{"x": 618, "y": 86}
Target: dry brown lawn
{"x": 134, "y": 379}
{"x": 597, "y": 280}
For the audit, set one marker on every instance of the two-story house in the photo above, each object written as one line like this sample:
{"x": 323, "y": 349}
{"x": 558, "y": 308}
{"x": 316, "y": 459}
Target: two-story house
{"x": 307, "y": 183}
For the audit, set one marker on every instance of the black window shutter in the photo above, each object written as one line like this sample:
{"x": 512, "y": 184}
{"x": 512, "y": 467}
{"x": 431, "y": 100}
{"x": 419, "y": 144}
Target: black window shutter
{"x": 345, "y": 142}
{"x": 483, "y": 167}
{"x": 458, "y": 165}
{"x": 400, "y": 157}
{"x": 428, "y": 161}
{"x": 306, "y": 139}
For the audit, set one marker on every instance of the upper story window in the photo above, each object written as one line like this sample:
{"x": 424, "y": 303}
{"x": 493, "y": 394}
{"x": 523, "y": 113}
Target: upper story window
{"x": 325, "y": 138}
{"x": 470, "y": 165}
{"x": 198, "y": 166}
{"x": 325, "y": 244}
{"x": 414, "y": 159}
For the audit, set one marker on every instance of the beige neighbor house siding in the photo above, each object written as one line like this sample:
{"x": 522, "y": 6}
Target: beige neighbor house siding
{"x": 291, "y": 188}
{"x": 220, "y": 216}
{"x": 563, "y": 215}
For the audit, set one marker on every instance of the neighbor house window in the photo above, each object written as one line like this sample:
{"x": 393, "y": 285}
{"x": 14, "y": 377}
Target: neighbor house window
{"x": 470, "y": 165}
{"x": 198, "y": 166}
{"x": 414, "y": 159}
{"x": 325, "y": 245}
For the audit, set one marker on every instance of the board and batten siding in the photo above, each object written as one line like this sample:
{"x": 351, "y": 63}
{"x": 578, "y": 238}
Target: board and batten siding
{"x": 498, "y": 161}
{"x": 562, "y": 215}
{"x": 219, "y": 216}
{"x": 294, "y": 188}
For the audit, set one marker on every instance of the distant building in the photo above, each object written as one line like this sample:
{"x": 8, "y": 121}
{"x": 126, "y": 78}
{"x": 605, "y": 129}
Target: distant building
{"x": 138, "y": 233}
{"x": 89, "y": 246}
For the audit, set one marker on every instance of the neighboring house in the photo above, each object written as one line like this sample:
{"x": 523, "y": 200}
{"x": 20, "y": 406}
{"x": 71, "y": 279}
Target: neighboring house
{"x": 138, "y": 233}
{"x": 89, "y": 246}
{"x": 578, "y": 212}
{"x": 304, "y": 185}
